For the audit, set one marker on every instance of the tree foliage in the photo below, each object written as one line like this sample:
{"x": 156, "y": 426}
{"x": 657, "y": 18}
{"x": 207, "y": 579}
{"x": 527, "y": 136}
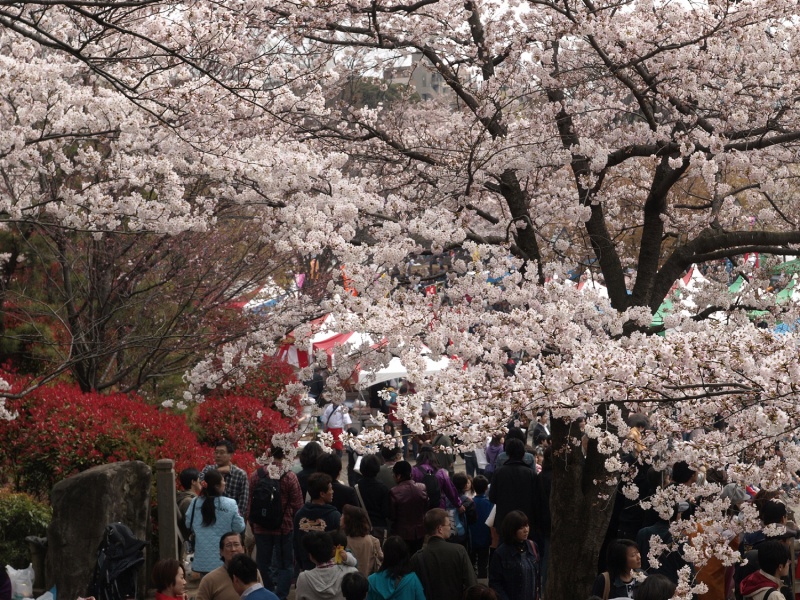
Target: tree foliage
{"x": 631, "y": 139}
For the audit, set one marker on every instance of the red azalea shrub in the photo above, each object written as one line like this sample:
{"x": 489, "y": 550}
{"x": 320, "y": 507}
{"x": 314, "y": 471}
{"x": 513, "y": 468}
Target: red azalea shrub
{"x": 61, "y": 431}
{"x": 244, "y": 420}
{"x": 265, "y": 383}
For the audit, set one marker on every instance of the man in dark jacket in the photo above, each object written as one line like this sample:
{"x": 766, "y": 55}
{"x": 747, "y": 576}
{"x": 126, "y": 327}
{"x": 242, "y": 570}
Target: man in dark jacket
{"x": 331, "y": 465}
{"x": 317, "y": 515}
{"x": 409, "y": 501}
{"x": 444, "y": 569}
{"x": 514, "y": 486}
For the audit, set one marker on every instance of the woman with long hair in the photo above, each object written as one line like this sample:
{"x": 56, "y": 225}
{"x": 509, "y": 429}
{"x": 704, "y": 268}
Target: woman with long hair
{"x": 514, "y": 569}
{"x": 395, "y": 579}
{"x": 209, "y": 516}
{"x": 365, "y": 547}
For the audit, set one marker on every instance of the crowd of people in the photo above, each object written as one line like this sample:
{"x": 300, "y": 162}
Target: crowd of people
{"x": 406, "y": 531}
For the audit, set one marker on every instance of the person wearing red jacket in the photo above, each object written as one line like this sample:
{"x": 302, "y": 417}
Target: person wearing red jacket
{"x": 765, "y": 584}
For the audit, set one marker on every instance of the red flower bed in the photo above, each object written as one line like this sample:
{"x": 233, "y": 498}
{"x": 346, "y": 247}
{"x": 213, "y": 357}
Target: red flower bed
{"x": 61, "y": 431}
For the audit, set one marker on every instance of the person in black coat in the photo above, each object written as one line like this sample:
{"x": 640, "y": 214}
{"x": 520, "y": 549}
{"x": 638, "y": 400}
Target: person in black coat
{"x": 377, "y": 501}
{"x": 515, "y": 567}
{"x": 514, "y": 486}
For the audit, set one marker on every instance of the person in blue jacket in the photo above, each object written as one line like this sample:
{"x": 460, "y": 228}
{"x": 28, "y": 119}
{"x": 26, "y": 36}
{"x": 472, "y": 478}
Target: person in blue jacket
{"x": 395, "y": 580}
{"x": 209, "y": 516}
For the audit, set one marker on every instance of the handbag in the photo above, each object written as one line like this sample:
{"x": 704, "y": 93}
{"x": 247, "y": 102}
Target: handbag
{"x": 377, "y": 562}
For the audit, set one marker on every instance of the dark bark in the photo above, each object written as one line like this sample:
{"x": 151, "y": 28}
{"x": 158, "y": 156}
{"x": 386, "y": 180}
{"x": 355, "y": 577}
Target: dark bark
{"x": 582, "y": 501}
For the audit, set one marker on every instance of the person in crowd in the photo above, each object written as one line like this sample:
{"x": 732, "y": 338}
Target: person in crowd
{"x": 236, "y": 481}
{"x": 514, "y": 485}
{"x": 528, "y": 458}
{"x": 243, "y": 572}
{"x": 335, "y": 419}
{"x": 354, "y": 586}
{"x": 619, "y": 581}
{"x": 514, "y": 571}
{"x": 427, "y": 466}
{"x": 217, "y": 584}
{"x": 395, "y": 580}
{"x": 670, "y": 561}
{"x": 353, "y": 476}
{"x": 274, "y": 547}
{"x": 317, "y": 515}
{"x": 390, "y": 455}
{"x": 480, "y": 533}
{"x": 408, "y": 501}
{"x": 443, "y": 449}
{"x": 470, "y": 515}
{"x": 209, "y": 516}
{"x": 765, "y": 584}
{"x": 714, "y": 574}
{"x": 629, "y": 517}
{"x": 341, "y": 552}
{"x": 655, "y": 587}
{"x": 390, "y": 429}
{"x": 308, "y": 457}
{"x": 324, "y": 580}
{"x": 190, "y": 488}
{"x": 771, "y": 512}
{"x": 443, "y": 568}
{"x": 374, "y": 497}
{"x": 364, "y": 546}
{"x": 540, "y": 430}
{"x": 331, "y": 465}
{"x": 169, "y": 579}
{"x": 493, "y": 450}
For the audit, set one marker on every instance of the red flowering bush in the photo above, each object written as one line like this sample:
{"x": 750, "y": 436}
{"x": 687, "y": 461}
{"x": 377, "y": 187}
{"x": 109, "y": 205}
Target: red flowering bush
{"x": 61, "y": 431}
{"x": 265, "y": 383}
{"x": 244, "y": 420}
{"x": 244, "y": 413}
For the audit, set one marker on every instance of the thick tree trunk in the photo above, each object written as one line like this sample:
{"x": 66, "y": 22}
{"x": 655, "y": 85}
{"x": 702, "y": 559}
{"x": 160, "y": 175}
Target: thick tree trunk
{"x": 581, "y": 502}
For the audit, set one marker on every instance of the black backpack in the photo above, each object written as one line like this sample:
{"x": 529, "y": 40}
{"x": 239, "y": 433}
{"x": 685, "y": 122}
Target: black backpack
{"x": 118, "y": 560}
{"x": 432, "y": 487}
{"x": 265, "y": 505}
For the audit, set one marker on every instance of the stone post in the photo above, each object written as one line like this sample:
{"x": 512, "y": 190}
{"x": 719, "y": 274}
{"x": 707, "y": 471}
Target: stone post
{"x": 83, "y": 505}
{"x": 167, "y": 509}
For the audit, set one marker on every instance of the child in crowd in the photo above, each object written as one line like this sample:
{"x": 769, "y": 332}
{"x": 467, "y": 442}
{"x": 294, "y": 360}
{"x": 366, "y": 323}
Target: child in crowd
{"x": 480, "y": 533}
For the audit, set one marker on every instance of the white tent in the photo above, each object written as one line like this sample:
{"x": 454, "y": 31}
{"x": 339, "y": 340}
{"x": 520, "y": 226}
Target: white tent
{"x": 396, "y": 370}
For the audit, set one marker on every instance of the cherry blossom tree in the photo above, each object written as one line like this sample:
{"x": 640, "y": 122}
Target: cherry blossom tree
{"x": 656, "y": 136}
{"x": 630, "y": 139}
